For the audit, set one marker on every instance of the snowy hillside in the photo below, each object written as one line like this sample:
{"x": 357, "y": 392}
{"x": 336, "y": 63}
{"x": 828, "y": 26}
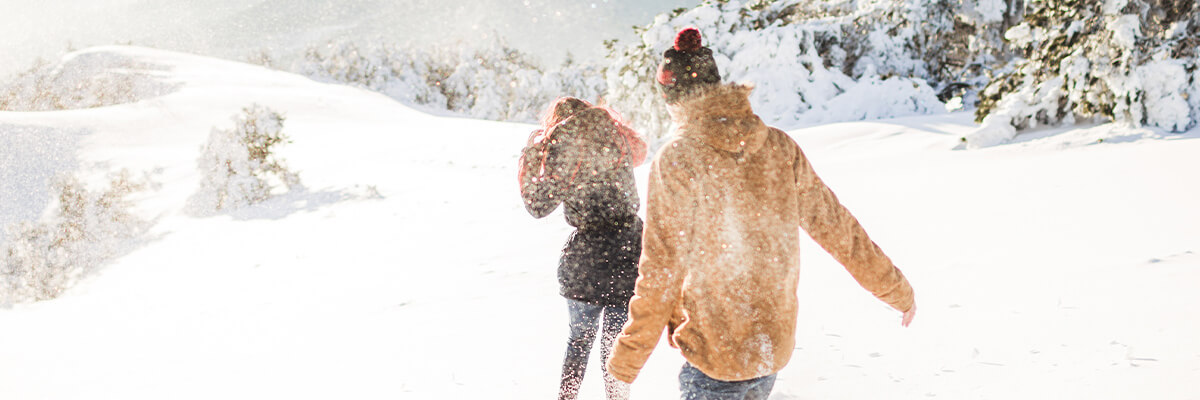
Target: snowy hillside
{"x": 1061, "y": 266}
{"x": 237, "y": 28}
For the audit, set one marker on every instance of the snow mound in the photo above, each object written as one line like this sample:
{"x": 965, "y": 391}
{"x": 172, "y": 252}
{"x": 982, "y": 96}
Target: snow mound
{"x": 874, "y": 98}
{"x": 95, "y": 77}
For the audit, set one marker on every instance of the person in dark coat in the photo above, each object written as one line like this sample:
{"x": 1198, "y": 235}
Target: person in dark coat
{"x": 583, "y": 158}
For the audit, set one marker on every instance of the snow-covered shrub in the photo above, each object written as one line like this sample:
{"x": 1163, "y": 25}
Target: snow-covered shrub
{"x": 85, "y": 227}
{"x": 411, "y": 77}
{"x": 241, "y": 165}
{"x": 490, "y": 81}
{"x": 807, "y": 58}
{"x": 1129, "y": 61}
{"x": 82, "y": 79}
{"x": 264, "y": 58}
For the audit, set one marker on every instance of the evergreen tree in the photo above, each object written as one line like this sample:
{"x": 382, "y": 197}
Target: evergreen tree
{"x": 1129, "y": 61}
{"x": 821, "y": 56}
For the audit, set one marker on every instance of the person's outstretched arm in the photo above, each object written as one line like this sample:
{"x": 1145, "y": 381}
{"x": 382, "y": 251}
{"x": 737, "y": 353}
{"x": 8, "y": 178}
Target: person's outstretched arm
{"x": 668, "y": 231}
{"x": 839, "y": 233}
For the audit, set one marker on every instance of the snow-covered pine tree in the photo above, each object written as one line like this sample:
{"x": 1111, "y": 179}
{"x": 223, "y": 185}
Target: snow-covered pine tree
{"x": 844, "y": 59}
{"x": 964, "y": 55}
{"x": 1129, "y": 61}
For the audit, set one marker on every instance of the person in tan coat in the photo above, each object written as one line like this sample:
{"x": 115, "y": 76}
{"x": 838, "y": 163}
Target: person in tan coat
{"x": 720, "y": 261}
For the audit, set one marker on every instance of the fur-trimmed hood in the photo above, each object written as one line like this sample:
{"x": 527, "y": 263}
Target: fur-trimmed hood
{"x": 722, "y": 118}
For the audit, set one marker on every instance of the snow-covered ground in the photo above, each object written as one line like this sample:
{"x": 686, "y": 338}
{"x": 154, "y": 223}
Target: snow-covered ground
{"x": 1062, "y": 266}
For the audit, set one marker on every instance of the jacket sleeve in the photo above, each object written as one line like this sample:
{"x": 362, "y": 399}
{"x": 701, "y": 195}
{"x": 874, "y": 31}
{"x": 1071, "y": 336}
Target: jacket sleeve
{"x": 542, "y": 188}
{"x": 839, "y": 233}
{"x": 661, "y": 271}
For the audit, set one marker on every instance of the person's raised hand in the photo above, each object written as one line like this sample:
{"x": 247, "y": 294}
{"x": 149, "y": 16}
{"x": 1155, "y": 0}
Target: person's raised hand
{"x": 908, "y": 316}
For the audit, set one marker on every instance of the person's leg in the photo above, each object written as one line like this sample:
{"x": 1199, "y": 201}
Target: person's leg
{"x": 584, "y": 317}
{"x": 761, "y": 388}
{"x": 614, "y": 321}
{"x": 695, "y": 385}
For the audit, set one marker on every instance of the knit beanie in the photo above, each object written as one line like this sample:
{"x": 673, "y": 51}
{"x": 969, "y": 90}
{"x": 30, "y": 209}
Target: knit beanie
{"x": 688, "y": 67}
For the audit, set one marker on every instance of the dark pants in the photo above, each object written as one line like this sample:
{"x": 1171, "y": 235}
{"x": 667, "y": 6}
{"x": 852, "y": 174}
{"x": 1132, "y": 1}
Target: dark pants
{"x": 584, "y": 318}
{"x": 695, "y": 385}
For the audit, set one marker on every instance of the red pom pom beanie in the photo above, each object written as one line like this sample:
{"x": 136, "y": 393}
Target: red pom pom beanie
{"x": 687, "y": 40}
{"x": 688, "y": 68}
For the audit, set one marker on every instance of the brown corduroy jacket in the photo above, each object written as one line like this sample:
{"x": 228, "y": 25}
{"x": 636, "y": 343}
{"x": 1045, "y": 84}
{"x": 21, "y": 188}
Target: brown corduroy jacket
{"x": 721, "y": 246}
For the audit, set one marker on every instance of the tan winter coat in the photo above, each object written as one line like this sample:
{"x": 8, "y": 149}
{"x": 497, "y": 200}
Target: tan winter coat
{"x": 721, "y": 246}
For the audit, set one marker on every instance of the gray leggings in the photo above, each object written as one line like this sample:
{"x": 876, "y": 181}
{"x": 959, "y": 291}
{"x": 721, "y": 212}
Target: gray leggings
{"x": 584, "y": 318}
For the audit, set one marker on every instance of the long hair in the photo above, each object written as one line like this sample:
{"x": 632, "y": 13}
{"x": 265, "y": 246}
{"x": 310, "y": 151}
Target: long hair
{"x": 562, "y": 109}
{"x": 629, "y": 143}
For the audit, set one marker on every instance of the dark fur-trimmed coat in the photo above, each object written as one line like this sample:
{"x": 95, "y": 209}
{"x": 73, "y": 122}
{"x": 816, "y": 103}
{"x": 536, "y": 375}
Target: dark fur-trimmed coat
{"x": 585, "y": 163}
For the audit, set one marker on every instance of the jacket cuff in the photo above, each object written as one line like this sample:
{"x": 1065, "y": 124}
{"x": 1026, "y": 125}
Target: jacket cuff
{"x": 905, "y": 300}
{"x": 621, "y": 375}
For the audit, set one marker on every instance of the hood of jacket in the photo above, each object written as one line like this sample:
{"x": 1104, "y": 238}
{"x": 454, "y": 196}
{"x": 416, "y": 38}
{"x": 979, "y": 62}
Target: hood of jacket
{"x": 721, "y": 118}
